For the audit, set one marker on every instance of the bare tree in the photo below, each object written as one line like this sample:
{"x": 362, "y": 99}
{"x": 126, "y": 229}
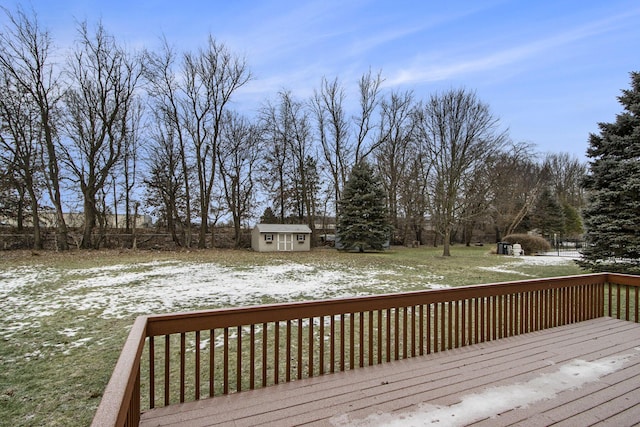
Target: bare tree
{"x": 369, "y": 89}
{"x": 517, "y": 181}
{"x": 99, "y": 104}
{"x": 20, "y": 145}
{"x": 25, "y": 49}
{"x": 304, "y": 168}
{"x": 457, "y": 132}
{"x": 211, "y": 77}
{"x": 333, "y": 132}
{"x": 164, "y": 181}
{"x": 394, "y": 153}
{"x": 240, "y": 151}
{"x": 277, "y": 129}
{"x": 566, "y": 174}
{"x": 130, "y": 161}
{"x": 167, "y": 94}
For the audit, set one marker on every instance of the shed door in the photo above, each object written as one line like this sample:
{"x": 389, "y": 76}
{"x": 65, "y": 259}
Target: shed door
{"x": 285, "y": 241}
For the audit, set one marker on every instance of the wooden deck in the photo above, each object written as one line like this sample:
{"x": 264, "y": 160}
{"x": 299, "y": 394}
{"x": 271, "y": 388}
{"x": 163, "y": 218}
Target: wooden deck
{"x": 531, "y": 379}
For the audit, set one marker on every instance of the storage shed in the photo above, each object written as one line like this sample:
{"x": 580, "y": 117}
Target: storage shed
{"x": 281, "y": 237}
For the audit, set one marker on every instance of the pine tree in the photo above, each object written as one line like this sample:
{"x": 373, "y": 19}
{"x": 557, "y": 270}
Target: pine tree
{"x": 363, "y": 220}
{"x": 612, "y": 214}
{"x": 268, "y": 217}
{"x": 548, "y": 215}
{"x": 572, "y": 222}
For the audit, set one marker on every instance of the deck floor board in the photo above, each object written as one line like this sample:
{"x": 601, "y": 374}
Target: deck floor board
{"x": 442, "y": 379}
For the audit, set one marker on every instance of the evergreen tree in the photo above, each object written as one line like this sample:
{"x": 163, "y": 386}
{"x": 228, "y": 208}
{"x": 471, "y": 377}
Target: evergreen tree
{"x": 363, "y": 220}
{"x": 572, "y": 221}
{"x": 612, "y": 214}
{"x": 548, "y": 215}
{"x": 268, "y": 217}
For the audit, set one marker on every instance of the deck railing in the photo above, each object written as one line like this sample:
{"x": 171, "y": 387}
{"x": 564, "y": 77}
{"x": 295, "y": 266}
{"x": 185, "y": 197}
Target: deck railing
{"x": 189, "y": 356}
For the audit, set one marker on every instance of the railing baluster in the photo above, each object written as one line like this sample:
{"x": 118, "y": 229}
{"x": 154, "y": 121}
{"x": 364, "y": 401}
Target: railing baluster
{"x": 476, "y": 320}
{"x": 299, "y": 361}
{"x": 265, "y": 351}
{"x": 636, "y": 292}
{"x": 482, "y": 319}
{"x": 239, "y": 359}
{"x": 495, "y": 313}
{"x": 380, "y": 328}
{"x": 182, "y": 365}
{"x": 342, "y": 343}
{"x": 457, "y": 324}
{"x": 421, "y": 331}
{"x": 397, "y": 334}
{"x": 463, "y": 322}
{"x": 276, "y": 353}
{"x": 388, "y": 325}
{"x": 413, "y": 331}
{"x": 225, "y": 385}
{"x": 167, "y": 355}
{"x": 321, "y": 345}
{"x": 405, "y": 322}
{"x": 371, "y": 338}
{"x": 197, "y": 367}
{"x": 332, "y": 344}
{"x": 310, "y": 347}
{"x": 450, "y": 325}
{"x": 288, "y": 352}
{"x": 152, "y": 373}
{"x": 436, "y": 330}
{"x": 626, "y": 306}
{"x": 443, "y": 326}
{"x": 252, "y": 356}
{"x": 361, "y": 338}
{"x": 212, "y": 361}
{"x": 352, "y": 340}
{"x": 428, "y": 337}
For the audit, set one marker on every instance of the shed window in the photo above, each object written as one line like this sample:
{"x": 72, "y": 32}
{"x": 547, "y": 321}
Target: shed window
{"x": 268, "y": 237}
{"x": 301, "y": 237}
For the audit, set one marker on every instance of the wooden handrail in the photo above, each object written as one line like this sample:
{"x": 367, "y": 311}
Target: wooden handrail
{"x": 120, "y": 404}
{"x": 346, "y": 333}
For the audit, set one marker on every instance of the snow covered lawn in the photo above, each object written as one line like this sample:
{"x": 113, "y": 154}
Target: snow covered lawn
{"x": 63, "y": 327}
{"x": 29, "y": 294}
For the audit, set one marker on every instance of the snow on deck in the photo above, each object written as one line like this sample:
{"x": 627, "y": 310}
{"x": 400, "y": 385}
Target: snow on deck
{"x": 577, "y": 374}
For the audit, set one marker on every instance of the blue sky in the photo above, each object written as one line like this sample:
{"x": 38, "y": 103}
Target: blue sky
{"x": 550, "y": 70}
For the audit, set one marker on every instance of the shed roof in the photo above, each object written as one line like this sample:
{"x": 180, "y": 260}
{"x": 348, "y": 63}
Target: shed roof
{"x": 283, "y": 228}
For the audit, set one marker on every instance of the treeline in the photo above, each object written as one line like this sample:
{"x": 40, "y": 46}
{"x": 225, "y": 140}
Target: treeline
{"x": 109, "y": 131}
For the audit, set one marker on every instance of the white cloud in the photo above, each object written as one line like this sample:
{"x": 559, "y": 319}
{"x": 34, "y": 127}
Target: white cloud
{"x": 470, "y": 61}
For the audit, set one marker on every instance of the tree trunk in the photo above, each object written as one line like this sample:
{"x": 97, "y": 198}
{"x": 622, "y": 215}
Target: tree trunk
{"x": 37, "y": 239}
{"x": 89, "y": 224}
{"x": 204, "y": 224}
{"x": 446, "y": 251}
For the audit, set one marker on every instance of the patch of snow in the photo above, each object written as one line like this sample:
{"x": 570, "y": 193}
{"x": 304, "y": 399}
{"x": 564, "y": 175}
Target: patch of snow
{"x": 120, "y": 291}
{"x": 496, "y": 400}
{"x": 524, "y": 261}
{"x": 70, "y": 332}
{"x": 438, "y": 286}
{"x": 544, "y": 260}
{"x": 31, "y": 293}
{"x": 502, "y": 269}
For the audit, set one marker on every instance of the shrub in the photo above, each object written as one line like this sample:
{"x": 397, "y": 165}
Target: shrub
{"x": 530, "y": 244}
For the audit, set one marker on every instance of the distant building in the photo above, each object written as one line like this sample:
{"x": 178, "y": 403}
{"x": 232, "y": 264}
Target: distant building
{"x": 281, "y": 237}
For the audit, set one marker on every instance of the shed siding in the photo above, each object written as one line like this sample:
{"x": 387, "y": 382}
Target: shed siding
{"x": 281, "y": 237}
